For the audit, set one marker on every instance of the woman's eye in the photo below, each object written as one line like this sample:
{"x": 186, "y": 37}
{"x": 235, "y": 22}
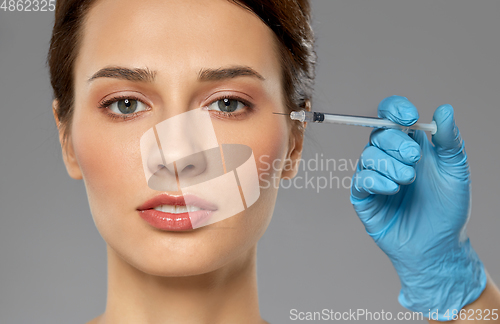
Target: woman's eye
{"x": 226, "y": 105}
{"x": 127, "y": 106}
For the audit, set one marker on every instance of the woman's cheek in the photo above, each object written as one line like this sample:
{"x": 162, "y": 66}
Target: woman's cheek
{"x": 109, "y": 163}
{"x": 270, "y": 152}
{"x": 267, "y": 137}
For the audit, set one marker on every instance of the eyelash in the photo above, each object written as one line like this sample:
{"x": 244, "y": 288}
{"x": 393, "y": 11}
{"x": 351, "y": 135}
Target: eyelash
{"x": 108, "y": 102}
{"x": 248, "y": 107}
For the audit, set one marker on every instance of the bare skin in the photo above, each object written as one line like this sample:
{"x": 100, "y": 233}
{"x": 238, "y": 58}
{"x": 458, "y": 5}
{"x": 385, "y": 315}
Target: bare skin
{"x": 206, "y": 275}
{"x": 204, "y": 290}
{"x": 482, "y": 309}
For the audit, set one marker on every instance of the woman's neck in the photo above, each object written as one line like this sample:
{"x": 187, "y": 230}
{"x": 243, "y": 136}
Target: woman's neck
{"x": 226, "y": 295}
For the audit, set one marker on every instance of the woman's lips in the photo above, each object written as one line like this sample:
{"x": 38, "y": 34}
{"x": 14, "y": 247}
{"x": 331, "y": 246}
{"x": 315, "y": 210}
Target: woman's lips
{"x": 172, "y": 221}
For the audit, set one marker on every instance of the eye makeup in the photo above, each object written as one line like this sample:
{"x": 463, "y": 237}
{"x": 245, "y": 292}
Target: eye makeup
{"x": 107, "y": 103}
{"x": 243, "y": 109}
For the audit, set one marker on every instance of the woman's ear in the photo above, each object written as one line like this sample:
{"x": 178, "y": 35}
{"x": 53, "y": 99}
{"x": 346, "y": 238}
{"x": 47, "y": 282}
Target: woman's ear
{"x": 68, "y": 152}
{"x": 294, "y": 154}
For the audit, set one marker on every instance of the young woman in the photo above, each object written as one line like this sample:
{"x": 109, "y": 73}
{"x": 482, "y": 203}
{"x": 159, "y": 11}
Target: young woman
{"x": 118, "y": 68}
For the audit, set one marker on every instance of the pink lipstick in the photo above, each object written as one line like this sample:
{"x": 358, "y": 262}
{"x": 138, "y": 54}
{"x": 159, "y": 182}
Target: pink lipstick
{"x": 171, "y": 213}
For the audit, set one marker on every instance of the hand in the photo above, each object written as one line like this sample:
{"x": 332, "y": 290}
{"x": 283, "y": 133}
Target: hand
{"x": 414, "y": 200}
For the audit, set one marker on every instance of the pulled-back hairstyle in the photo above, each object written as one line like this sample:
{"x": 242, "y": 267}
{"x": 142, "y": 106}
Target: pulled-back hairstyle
{"x": 290, "y": 21}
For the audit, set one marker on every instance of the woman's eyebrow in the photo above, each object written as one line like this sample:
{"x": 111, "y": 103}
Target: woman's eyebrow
{"x": 146, "y": 75}
{"x": 228, "y": 73}
{"x": 123, "y": 73}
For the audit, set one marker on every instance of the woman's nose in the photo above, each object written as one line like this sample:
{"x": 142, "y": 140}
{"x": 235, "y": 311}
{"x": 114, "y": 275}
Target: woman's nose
{"x": 186, "y": 149}
{"x": 191, "y": 166}
{"x": 177, "y": 157}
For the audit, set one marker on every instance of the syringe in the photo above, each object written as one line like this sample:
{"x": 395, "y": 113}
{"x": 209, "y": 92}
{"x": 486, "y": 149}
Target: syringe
{"x": 317, "y": 117}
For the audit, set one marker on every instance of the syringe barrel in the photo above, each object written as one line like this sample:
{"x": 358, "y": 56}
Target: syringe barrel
{"x": 308, "y": 116}
{"x": 376, "y": 122}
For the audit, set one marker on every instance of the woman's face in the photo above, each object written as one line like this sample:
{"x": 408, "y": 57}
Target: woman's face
{"x": 175, "y": 40}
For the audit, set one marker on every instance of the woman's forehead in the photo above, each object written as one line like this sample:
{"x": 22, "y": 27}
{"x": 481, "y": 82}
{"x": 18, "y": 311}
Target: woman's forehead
{"x": 176, "y": 36}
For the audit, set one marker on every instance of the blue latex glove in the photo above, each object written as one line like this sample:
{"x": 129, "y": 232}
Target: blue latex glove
{"x": 414, "y": 200}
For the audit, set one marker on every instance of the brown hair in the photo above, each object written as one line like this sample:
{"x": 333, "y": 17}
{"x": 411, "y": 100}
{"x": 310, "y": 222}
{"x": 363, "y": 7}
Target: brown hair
{"x": 290, "y": 20}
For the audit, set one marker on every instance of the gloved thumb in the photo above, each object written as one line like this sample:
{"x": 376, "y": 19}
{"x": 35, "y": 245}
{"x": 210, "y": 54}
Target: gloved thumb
{"x": 448, "y": 142}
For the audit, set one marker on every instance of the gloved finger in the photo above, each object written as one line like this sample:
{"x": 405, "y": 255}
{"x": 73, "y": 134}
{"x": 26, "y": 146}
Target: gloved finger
{"x": 420, "y": 138}
{"x": 374, "y": 158}
{"x": 447, "y": 140}
{"x": 399, "y": 110}
{"x": 397, "y": 144}
{"x": 369, "y": 182}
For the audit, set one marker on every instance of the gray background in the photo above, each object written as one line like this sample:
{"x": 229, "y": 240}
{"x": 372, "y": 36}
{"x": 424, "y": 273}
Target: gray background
{"x": 315, "y": 253}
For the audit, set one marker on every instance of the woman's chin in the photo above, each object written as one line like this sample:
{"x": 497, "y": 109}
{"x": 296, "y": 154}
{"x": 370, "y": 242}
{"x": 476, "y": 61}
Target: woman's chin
{"x": 179, "y": 265}
{"x": 180, "y": 260}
